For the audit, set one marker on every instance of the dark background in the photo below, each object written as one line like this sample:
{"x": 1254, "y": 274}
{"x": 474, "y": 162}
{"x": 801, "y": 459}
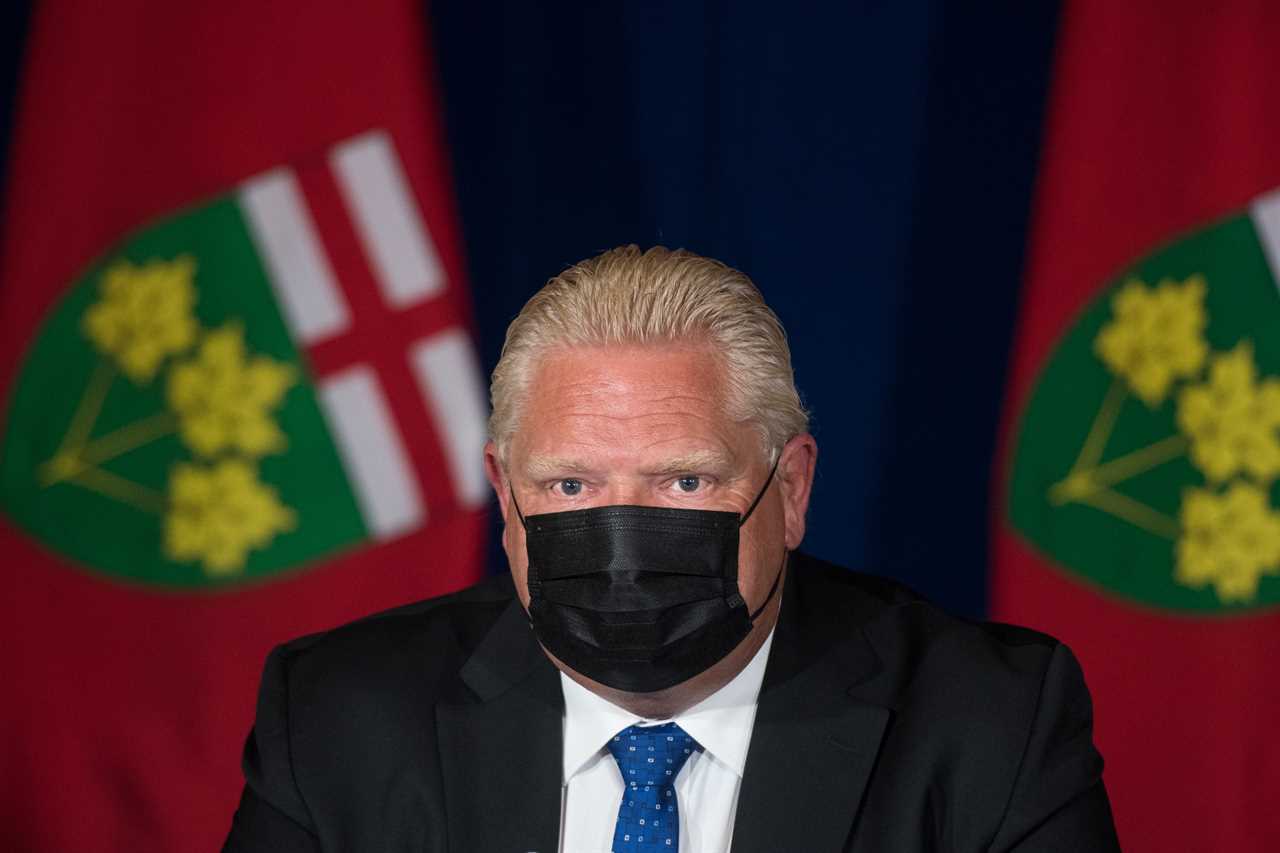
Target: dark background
{"x": 869, "y": 164}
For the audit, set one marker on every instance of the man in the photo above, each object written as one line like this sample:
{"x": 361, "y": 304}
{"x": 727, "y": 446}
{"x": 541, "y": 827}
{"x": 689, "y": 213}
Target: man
{"x": 663, "y": 670}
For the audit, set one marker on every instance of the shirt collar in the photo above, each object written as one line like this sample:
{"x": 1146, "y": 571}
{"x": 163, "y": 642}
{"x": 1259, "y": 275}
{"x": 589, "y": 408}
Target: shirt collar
{"x": 721, "y": 723}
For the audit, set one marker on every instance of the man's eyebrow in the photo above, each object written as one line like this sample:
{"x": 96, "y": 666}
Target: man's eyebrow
{"x": 546, "y": 467}
{"x": 698, "y": 460}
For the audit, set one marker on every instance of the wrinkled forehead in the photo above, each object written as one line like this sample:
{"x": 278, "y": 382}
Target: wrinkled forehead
{"x": 631, "y": 377}
{"x": 627, "y": 401}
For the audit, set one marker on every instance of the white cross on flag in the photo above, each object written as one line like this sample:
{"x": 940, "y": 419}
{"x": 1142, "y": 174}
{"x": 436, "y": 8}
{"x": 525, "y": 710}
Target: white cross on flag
{"x": 265, "y": 379}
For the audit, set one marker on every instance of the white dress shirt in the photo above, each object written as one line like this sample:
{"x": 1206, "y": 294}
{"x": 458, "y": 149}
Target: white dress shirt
{"x": 706, "y": 787}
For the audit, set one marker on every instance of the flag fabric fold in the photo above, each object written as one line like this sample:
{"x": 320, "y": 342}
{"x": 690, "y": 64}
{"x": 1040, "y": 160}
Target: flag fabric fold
{"x": 241, "y": 399}
{"x": 1138, "y": 517}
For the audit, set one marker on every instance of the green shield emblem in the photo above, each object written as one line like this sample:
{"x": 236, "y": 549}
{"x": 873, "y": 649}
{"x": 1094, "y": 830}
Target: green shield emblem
{"x": 1146, "y": 460}
{"x": 164, "y": 429}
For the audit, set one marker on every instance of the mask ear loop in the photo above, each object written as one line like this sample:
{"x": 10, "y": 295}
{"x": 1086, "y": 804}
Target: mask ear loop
{"x": 763, "y": 489}
{"x": 515, "y": 504}
{"x": 773, "y": 589}
{"x": 777, "y": 579}
{"x": 525, "y": 525}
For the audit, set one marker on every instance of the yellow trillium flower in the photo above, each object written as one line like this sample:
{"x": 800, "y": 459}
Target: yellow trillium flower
{"x": 1156, "y": 336}
{"x": 144, "y": 314}
{"x": 1232, "y": 419}
{"x": 1229, "y": 541}
{"x": 224, "y": 398}
{"x": 218, "y": 514}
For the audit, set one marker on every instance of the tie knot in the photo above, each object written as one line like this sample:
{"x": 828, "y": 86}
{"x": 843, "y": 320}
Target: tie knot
{"x": 652, "y": 755}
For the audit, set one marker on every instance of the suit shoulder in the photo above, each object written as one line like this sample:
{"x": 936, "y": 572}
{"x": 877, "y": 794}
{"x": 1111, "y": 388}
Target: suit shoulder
{"x": 829, "y": 580}
{"x": 990, "y": 724}
{"x": 447, "y": 627}
{"x": 921, "y": 647}
{"x": 894, "y": 610}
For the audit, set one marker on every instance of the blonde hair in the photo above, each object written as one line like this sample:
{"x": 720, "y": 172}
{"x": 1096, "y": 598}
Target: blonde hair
{"x": 628, "y": 297}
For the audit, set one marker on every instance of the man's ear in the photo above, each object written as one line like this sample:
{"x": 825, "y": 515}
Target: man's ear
{"x": 795, "y": 476}
{"x": 497, "y": 475}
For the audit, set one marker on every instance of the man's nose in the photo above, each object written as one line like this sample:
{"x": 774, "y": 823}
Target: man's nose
{"x": 628, "y": 491}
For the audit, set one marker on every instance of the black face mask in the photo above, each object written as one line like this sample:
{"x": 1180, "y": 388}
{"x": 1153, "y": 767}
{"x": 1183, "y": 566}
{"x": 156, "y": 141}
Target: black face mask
{"x": 638, "y": 598}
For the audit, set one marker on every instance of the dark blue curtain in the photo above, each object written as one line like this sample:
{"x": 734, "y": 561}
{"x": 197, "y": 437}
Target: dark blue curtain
{"x": 868, "y": 163}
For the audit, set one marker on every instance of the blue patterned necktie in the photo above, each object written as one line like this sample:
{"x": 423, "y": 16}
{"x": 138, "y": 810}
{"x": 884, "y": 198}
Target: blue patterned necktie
{"x": 650, "y": 758}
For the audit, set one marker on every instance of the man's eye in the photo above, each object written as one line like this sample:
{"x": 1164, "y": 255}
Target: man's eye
{"x": 570, "y": 487}
{"x": 689, "y": 484}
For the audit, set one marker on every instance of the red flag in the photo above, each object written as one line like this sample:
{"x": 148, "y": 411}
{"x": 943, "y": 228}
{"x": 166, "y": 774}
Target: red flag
{"x": 1137, "y": 504}
{"x": 240, "y": 397}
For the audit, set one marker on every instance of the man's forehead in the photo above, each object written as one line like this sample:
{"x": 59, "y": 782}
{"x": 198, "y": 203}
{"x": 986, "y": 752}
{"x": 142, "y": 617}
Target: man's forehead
{"x": 633, "y": 368}
{"x": 651, "y": 409}
{"x": 602, "y": 384}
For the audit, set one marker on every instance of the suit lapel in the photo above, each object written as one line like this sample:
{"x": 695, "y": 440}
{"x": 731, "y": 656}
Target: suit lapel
{"x": 501, "y": 745}
{"x": 814, "y": 742}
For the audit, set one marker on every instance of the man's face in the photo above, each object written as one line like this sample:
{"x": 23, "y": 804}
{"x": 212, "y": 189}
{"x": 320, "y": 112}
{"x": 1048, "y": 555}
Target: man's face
{"x": 646, "y": 426}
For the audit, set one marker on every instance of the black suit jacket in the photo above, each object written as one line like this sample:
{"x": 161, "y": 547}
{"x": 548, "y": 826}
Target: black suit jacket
{"x": 883, "y": 725}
